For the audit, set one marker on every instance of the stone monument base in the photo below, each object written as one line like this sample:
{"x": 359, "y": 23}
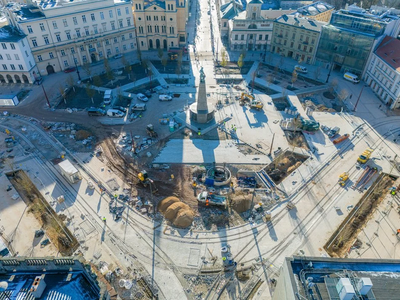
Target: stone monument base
{"x": 200, "y": 116}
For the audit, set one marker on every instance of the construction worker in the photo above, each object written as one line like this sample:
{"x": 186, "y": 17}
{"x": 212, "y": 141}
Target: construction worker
{"x": 207, "y": 202}
{"x": 398, "y": 232}
{"x": 199, "y": 133}
{"x": 104, "y": 219}
{"x": 233, "y": 190}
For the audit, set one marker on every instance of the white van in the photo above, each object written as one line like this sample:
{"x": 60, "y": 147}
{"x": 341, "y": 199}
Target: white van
{"x": 107, "y": 97}
{"x": 351, "y": 77}
{"x": 300, "y": 69}
{"x": 115, "y": 113}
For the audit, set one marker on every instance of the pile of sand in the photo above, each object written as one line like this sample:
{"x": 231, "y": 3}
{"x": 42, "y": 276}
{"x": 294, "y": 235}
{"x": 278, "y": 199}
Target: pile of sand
{"x": 178, "y": 213}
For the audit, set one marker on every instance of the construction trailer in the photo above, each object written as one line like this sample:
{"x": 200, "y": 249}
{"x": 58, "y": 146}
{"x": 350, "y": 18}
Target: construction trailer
{"x": 69, "y": 171}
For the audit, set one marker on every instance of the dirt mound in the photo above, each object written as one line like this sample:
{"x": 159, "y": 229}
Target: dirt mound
{"x": 81, "y": 135}
{"x": 178, "y": 213}
{"x": 165, "y": 203}
{"x": 241, "y": 203}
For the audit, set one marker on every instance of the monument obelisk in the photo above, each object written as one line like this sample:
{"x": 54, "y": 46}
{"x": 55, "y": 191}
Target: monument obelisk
{"x": 199, "y": 111}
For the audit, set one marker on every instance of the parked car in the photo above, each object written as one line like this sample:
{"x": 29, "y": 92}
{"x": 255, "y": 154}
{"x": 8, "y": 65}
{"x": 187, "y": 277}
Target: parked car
{"x": 69, "y": 70}
{"x": 115, "y": 113}
{"x": 351, "y": 77}
{"x": 164, "y": 98}
{"x": 333, "y": 132}
{"x": 148, "y": 93}
{"x": 300, "y": 69}
{"x": 139, "y": 107}
{"x": 142, "y": 97}
{"x": 123, "y": 109}
{"x": 96, "y": 112}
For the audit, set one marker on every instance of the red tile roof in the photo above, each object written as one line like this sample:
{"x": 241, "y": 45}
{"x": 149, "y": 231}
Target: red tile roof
{"x": 389, "y": 51}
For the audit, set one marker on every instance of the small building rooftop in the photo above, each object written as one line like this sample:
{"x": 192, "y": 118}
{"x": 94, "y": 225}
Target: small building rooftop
{"x": 10, "y": 34}
{"x": 298, "y": 21}
{"x": 324, "y": 277}
{"x": 314, "y": 9}
{"x": 389, "y": 51}
{"x": 358, "y": 12}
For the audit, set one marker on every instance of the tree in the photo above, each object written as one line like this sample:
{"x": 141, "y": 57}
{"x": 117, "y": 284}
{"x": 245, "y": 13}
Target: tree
{"x": 139, "y": 55}
{"x": 160, "y": 53}
{"x": 164, "y": 62}
{"x": 333, "y": 84}
{"x": 224, "y": 61}
{"x": 178, "y": 70}
{"x": 243, "y": 53}
{"x": 90, "y": 92}
{"x": 71, "y": 82}
{"x": 343, "y": 94}
{"x": 97, "y": 82}
{"x": 109, "y": 71}
{"x": 126, "y": 64}
{"x": 240, "y": 62}
{"x": 119, "y": 95}
{"x": 88, "y": 69}
{"x": 294, "y": 77}
{"x": 62, "y": 93}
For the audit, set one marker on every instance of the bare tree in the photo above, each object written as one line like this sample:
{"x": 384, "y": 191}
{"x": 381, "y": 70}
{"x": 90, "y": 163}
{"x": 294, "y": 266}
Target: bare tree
{"x": 62, "y": 93}
{"x": 97, "y": 82}
{"x": 139, "y": 55}
{"x": 160, "y": 53}
{"x": 334, "y": 83}
{"x": 88, "y": 69}
{"x": 178, "y": 70}
{"x": 294, "y": 77}
{"x": 343, "y": 94}
{"x": 119, "y": 95}
{"x": 90, "y": 92}
{"x": 164, "y": 62}
{"x": 240, "y": 62}
{"x": 71, "y": 82}
{"x": 126, "y": 64}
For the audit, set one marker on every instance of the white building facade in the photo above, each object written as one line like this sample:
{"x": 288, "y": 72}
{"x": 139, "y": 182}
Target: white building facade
{"x": 383, "y": 72}
{"x": 64, "y": 33}
{"x": 16, "y": 60}
{"x": 161, "y": 24}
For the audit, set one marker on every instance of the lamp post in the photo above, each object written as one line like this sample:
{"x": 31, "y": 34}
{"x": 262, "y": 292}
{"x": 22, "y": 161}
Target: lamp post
{"x": 76, "y": 67}
{"x": 330, "y": 70}
{"x": 359, "y": 96}
{"x": 45, "y": 95}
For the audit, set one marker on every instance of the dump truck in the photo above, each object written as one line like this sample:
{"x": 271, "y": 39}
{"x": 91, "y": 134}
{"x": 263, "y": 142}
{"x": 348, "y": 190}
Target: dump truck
{"x": 208, "y": 199}
{"x": 365, "y": 156}
{"x": 343, "y": 178}
{"x": 256, "y": 104}
{"x": 341, "y": 139}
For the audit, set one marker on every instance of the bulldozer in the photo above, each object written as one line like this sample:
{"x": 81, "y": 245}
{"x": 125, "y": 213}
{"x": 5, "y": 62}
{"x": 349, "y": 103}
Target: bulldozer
{"x": 343, "y": 178}
{"x": 245, "y": 98}
{"x": 150, "y": 131}
{"x": 146, "y": 181}
{"x": 256, "y": 105}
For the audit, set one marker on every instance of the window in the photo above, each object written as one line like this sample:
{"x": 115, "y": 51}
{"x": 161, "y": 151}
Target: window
{"x": 305, "y": 48}
{"x": 95, "y": 29}
{"x": 84, "y": 18}
{"x": 260, "y": 37}
{"x": 141, "y": 43}
{"x": 29, "y": 27}
{"x": 26, "y": 53}
{"x": 4, "y": 46}
{"x": 118, "y": 11}
{"x": 182, "y": 38}
{"x": 16, "y": 56}
{"x": 65, "y": 63}
{"x": 242, "y": 37}
{"x": 171, "y": 30}
{"x": 104, "y": 25}
{"x": 65, "y": 23}
{"x": 75, "y": 20}
{"x": 115, "y": 40}
{"x": 293, "y": 36}
{"x": 46, "y": 40}
{"x": 155, "y": 18}
{"x": 250, "y": 36}
{"x": 162, "y": 18}
{"x": 84, "y": 59}
{"x": 266, "y": 37}
{"x": 22, "y": 42}
{"x": 121, "y": 24}
{"x": 100, "y": 53}
{"x": 8, "y": 56}
{"x": 21, "y": 67}
{"x": 107, "y": 42}
{"x": 148, "y": 18}
{"x": 58, "y": 37}
{"x": 34, "y": 43}
{"x": 101, "y": 15}
{"x": 171, "y": 19}
{"x": 92, "y": 17}
{"x": 108, "y": 52}
{"x": 12, "y": 46}
{"x": 78, "y": 33}
{"x": 39, "y": 58}
{"x": 1, "y": 57}
{"x": 172, "y": 7}
{"x": 68, "y": 35}
{"x": 55, "y": 25}
{"x": 123, "y": 37}
{"x": 169, "y": 7}
{"x": 73, "y": 50}
{"x": 149, "y": 29}
{"x": 291, "y": 45}
{"x": 311, "y": 49}
{"x": 130, "y": 35}
{"x": 164, "y": 29}
{"x": 124, "y": 47}
{"x": 112, "y": 25}
{"x": 140, "y": 29}
{"x": 62, "y": 52}
{"x": 131, "y": 45}
{"x": 312, "y": 41}
{"x": 236, "y": 37}
{"x": 253, "y": 16}
{"x": 87, "y": 31}
{"x": 51, "y": 55}
{"x": 110, "y": 13}
{"x": 224, "y": 24}
{"x": 82, "y": 48}
{"x": 42, "y": 27}
{"x": 4, "y": 67}
{"x": 126, "y": 10}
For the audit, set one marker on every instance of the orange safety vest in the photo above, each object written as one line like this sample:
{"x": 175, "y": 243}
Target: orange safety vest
{"x": 207, "y": 202}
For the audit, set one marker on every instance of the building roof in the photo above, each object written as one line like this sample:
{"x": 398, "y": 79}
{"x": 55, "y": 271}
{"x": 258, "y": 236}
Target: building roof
{"x": 230, "y": 10}
{"x": 65, "y": 278}
{"x": 255, "y": 2}
{"x": 301, "y": 22}
{"x": 389, "y": 51}
{"x": 26, "y": 12}
{"x": 314, "y": 9}
{"x": 376, "y": 278}
{"x": 10, "y": 34}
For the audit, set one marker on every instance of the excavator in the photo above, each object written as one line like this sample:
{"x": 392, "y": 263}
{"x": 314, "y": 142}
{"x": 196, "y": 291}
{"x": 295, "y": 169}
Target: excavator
{"x": 245, "y": 98}
{"x": 146, "y": 181}
{"x": 256, "y": 104}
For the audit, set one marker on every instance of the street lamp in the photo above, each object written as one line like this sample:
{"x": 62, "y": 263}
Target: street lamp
{"x": 330, "y": 70}
{"x": 359, "y": 96}
{"x": 76, "y": 67}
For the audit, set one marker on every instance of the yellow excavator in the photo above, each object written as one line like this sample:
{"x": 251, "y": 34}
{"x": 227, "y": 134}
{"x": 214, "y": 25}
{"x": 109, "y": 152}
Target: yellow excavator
{"x": 343, "y": 178}
{"x": 256, "y": 104}
{"x": 245, "y": 98}
{"x": 146, "y": 181}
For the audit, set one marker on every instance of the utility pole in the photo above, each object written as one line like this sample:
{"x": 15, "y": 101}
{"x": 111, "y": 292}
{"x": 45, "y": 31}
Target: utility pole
{"x": 272, "y": 143}
{"x": 45, "y": 95}
{"x": 358, "y": 99}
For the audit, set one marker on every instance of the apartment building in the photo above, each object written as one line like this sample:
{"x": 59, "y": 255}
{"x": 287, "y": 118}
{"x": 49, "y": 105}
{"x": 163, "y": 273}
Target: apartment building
{"x": 296, "y": 37}
{"x": 319, "y": 11}
{"x": 66, "y": 33}
{"x": 161, "y": 24}
{"x": 383, "y": 72}
{"x": 348, "y": 40}
{"x": 250, "y": 29}
{"x": 16, "y": 60}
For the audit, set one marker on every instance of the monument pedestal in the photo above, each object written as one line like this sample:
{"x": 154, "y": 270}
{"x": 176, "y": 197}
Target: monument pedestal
{"x": 199, "y": 111}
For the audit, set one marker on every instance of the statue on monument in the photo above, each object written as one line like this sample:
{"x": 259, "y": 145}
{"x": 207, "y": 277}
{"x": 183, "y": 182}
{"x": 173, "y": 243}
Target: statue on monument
{"x": 202, "y": 75}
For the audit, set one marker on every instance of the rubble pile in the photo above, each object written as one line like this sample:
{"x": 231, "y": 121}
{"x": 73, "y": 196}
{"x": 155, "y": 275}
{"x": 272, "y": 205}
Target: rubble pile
{"x": 177, "y": 212}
